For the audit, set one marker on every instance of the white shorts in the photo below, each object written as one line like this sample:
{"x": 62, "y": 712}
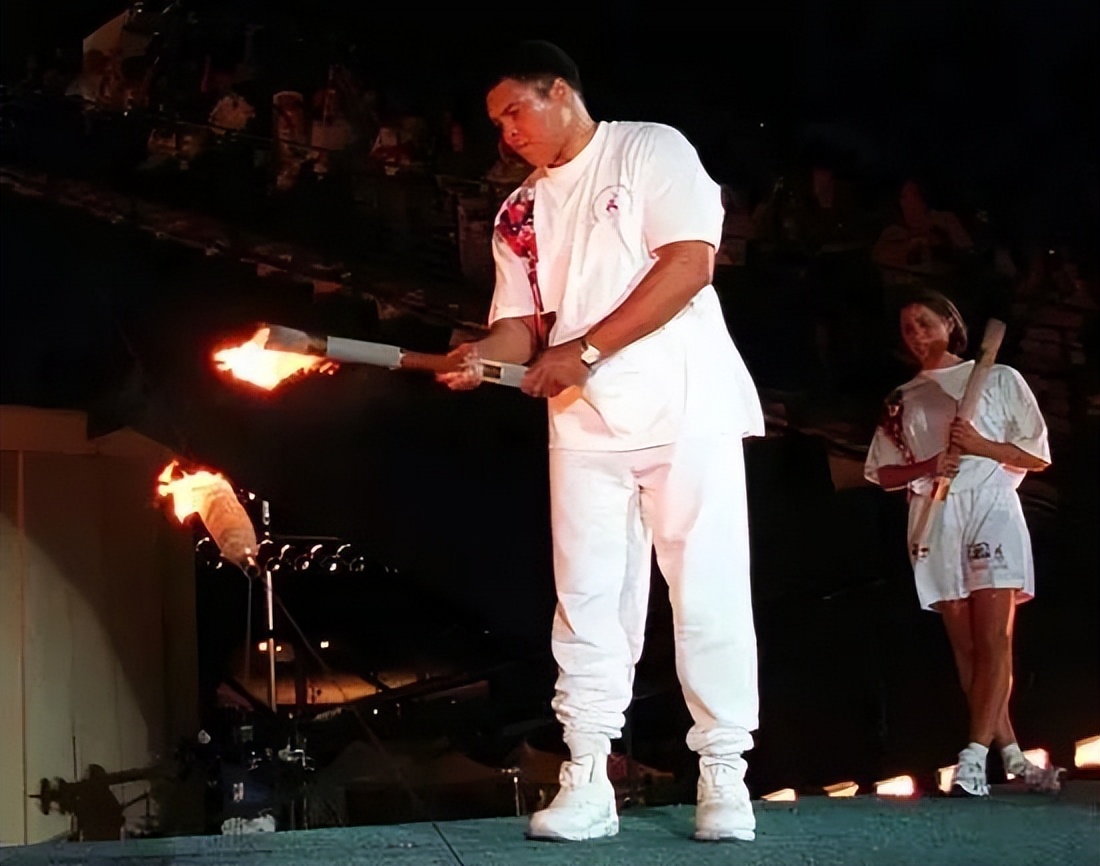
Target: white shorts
{"x": 980, "y": 541}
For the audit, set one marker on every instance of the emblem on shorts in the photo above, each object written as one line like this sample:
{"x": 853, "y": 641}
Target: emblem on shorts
{"x": 917, "y": 553}
{"x": 978, "y": 551}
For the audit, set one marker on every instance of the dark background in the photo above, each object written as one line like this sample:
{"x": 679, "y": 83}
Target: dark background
{"x": 994, "y": 100}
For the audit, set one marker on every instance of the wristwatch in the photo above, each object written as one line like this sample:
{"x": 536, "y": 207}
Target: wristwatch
{"x": 590, "y": 355}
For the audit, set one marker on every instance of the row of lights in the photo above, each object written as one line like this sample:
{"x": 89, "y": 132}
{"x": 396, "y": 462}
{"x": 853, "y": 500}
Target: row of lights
{"x": 1086, "y": 756}
{"x": 262, "y": 646}
{"x": 284, "y": 558}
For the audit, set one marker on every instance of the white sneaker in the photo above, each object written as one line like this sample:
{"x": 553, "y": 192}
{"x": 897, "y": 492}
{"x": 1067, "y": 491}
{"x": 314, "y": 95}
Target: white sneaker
{"x": 723, "y": 809}
{"x": 246, "y": 826}
{"x": 970, "y": 777}
{"x": 584, "y": 807}
{"x": 1041, "y": 780}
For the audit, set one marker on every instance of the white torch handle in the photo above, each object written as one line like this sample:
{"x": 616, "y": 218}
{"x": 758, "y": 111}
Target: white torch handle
{"x": 362, "y": 352}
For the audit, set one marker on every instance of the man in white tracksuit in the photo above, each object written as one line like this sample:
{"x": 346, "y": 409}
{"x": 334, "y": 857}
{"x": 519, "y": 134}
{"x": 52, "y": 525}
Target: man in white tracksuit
{"x": 604, "y": 261}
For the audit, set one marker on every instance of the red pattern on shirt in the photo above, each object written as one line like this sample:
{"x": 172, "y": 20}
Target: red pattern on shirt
{"x": 516, "y": 226}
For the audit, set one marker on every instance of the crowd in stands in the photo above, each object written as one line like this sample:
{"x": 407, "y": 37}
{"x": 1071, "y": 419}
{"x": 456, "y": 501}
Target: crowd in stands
{"x": 829, "y": 247}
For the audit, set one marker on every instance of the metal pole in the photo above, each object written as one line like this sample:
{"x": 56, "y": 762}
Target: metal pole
{"x": 268, "y": 585}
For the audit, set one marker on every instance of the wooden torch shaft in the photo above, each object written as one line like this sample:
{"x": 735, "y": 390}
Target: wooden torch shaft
{"x": 991, "y": 344}
{"x": 426, "y": 361}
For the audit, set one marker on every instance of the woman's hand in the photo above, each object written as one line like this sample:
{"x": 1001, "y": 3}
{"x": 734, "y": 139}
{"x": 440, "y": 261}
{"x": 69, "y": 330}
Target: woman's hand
{"x": 556, "y": 369}
{"x": 966, "y": 440}
{"x": 467, "y": 373}
{"x": 946, "y": 464}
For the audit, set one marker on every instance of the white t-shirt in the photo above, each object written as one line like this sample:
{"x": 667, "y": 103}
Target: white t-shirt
{"x": 597, "y": 221}
{"x": 1006, "y": 412}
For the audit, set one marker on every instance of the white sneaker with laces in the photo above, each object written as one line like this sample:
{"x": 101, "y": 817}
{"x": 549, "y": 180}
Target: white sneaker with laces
{"x": 970, "y": 777}
{"x": 1041, "y": 780}
{"x": 723, "y": 809}
{"x": 584, "y": 807}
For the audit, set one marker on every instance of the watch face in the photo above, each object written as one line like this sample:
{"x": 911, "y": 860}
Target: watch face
{"x": 590, "y": 355}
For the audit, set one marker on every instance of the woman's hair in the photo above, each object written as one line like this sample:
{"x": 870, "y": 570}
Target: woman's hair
{"x": 943, "y": 307}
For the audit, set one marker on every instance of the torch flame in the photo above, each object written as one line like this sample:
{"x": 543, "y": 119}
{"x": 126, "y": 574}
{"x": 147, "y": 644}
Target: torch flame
{"x": 267, "y": 368}
{"x": 210, "y": 495}
{"x": 187, "y": 489}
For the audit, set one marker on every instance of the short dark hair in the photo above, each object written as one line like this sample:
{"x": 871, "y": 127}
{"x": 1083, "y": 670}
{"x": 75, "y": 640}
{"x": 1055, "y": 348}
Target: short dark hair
{"x": 535, "y": 60}
{"x": 943, "y": 307}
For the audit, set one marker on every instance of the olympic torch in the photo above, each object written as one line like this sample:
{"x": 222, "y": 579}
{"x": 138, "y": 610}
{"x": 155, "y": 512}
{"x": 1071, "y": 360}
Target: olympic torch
{"x": 275, "y": 353}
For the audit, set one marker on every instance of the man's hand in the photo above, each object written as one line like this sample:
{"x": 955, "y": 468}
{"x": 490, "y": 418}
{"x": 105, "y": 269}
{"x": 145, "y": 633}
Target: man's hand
{"x": 966, "y": 440}
{"x": 467, "y": 374}
{"x": 556, "y": 369}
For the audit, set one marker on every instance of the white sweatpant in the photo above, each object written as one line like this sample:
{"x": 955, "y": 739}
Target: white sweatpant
{"x": 609, "y": 511}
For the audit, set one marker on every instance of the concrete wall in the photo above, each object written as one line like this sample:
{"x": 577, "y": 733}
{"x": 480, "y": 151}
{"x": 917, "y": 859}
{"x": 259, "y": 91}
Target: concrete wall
{"x": 98, "y": 661}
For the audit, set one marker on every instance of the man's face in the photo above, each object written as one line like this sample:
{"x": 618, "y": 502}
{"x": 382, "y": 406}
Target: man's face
{"x": 532, "y": 121}
{"x": 912, "y": 203}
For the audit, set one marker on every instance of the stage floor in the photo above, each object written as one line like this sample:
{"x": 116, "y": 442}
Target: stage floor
{"x": 1009, "y": 829}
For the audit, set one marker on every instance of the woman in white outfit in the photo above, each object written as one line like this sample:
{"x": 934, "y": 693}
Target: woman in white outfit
{"x": 977, "y": 565}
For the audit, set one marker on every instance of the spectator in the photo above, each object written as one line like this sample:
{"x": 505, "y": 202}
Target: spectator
{"x": 923, "y": 243}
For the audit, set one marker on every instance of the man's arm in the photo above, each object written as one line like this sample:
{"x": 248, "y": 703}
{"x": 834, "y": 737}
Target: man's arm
{"x": 681, "y": 270}
{"x": 952, "y": 227}
{"x": 510, "y": 340}
{"x": 892, "y": 247}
